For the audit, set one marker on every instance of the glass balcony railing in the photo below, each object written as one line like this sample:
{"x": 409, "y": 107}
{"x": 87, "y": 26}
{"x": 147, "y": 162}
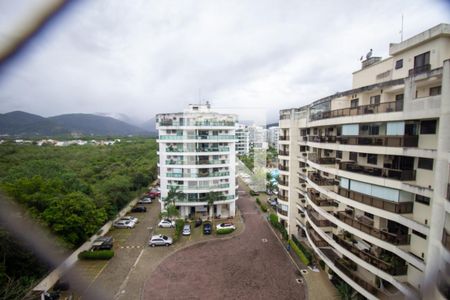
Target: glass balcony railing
{"x": 189, "y": 198}
{"x": 196, "y": 123}
{"x": 197, "y": 175}
{"x": 208, "y": 187}
{"x": 197, "y": 162}
{"x": 181, "y": 150}
{"x": 197, "y": 137}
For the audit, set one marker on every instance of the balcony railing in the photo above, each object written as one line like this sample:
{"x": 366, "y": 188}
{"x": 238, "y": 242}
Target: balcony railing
{"x": 396, "y": 174}
{"x": 201, "y": 199}
{"x": 317, "y": 200}
{"x": 283, "y": 168}
{"x": 379, "y": 140}
{"x": 317, "y": 240}
{"x": 282, "y": 212}
{"x": 395, "y": 207}
{"x": 396, "y": 269}
{"x": 319, "y": 180}
{"x": 197, "y": 137}
{"x": 283, "y": 138}
{"x": 322, "y": 160}
{"x": 396, "y": 239}
{"x": 170, "y": 122}
{"x": 419, "y": 69}
{"x": 197, "y": 175}
{"x": 317, "y": 219}
{"x": 197, "y": 162}
{"x": 446, "y": 239}
{"x": 383, "y": 107}
{"x": 283, "y": 182}
{"x": 346, "y": 269}
{"x": 283, "y": 197}
{"x": 283, "y": 153}
{"x": 208, "y": 187}
{"x": 322, "y": 139}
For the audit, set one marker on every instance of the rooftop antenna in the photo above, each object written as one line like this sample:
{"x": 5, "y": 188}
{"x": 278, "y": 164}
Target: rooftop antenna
{"x": 401, "y": 31}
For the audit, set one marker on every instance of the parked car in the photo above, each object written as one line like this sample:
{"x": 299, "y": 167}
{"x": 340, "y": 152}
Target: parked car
{"x": 145, "y": 200}
{"x": 160, "y": 240}
{"x": 139, "y": 209}
{"x": 124, "y": 224}
{"x": 207, "y": 228}
{"x": 103, "y": 243}
{"x": 130, "y": 218}
{"x": 166, "y": 223}
{"x": 272, "y": 202}
{"x": 198, "y": 222}
{"x": 225, "y": 226}
{"x": 153, "y": 193}
{"x": 186, "y": 229}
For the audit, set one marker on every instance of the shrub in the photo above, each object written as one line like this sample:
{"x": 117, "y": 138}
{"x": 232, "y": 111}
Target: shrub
{"x": 263, "y": 208}
{"x": 257, "y": 201}
{"x": 94, "y": 255}
{"x": 299, "y": 252}
{"x": 224, "y": 231}
{"x": 305, "y": 251}
{"x": 179, "y": 224}
{"x": 273, "y": 219}
{"x": 322, "y": 264}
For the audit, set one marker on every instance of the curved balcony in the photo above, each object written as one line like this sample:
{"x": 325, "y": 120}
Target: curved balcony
{"x": 395, "y": 207}
{"x": 283, "y": 168}
{"x": 197, "y": 150}
{"x": 197, "y": 175}
{"x": 197, "y": 137}
{"x": 284, "y": 183}
{"x": 404, "y": 175}
{"x": 319, "y": 180}
{"x": 282, "y": 212}
{"x": 322, "y": 139}
{"x": 322, "y": 160}
{"x": 319, "y": 201}
{"x": 319, "y": 220}
{"x": 379, "y": 140}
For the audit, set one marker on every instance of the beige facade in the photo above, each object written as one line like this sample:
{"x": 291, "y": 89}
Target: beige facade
{"x": 365, "y": 173}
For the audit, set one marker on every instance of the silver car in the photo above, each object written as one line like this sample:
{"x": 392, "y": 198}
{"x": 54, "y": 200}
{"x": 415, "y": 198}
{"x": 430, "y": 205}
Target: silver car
{"x": 124, "y": 224}
{"x": 160, "y": 240}
{"x": 186, "y": 229}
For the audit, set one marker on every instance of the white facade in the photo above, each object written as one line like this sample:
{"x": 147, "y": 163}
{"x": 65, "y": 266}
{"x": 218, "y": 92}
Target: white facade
{"x": 197, "y": 153}
{"x": 258, "y": 137}
{"x": 242, "y": 139}
{"x": 272, "y": 136}
{"x": 365, "y": 173}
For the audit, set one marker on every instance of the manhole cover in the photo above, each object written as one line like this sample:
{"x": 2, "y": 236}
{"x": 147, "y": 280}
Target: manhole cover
{"x": 299, "y": 280}
{"x": 304, "y": 271}
{"x": 264, "y": 240}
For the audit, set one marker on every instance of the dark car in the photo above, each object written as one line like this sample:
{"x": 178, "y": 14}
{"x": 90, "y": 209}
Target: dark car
{"x": 198, "y": 222}
{"x": 103, "y": 243}
{"x": 207, "y": 228}
{"x": 139, "y": 209}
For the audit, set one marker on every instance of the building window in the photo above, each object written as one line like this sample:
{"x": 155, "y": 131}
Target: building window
{"x": 375, "y": 99}
{"x": 372, "y": 159}
{"x": 399, "y": 97}
{"x": 425, "y": 163}
{"x": 399, "y": 64}
{"x": 353, "y": 156}
{"x": 423, "y": 199}
{"x": 374, "y": 130}
{"x": 419, "y": 234}
{"x": 354, "y": 103}
{"x": 339, "y": 154}
{"x": 369, "y": 215}
{"x": 435, "y": 90}
{"x": 422, "y": 59}
{"x": 428, "y": 127}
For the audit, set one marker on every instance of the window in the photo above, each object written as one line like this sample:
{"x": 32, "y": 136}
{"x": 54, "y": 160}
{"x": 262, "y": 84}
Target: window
{"x": 419, "y": 234}
{"x": 423, "y": 199}
{"x": 399, "y": 97}
{"x": 353, "y": 156}
{"x": 435, "y": 90}
{"x": 425, "y": 163}
{"x": 428, "y": 127}
{"x": 372, "y": 159}
{"x": 354, "y": 103}
{"x": 369, "y": 215}
{"x": 399, "y": 64}
{"x": 375, "y": 99}
{"x": 339, "y": 154}
{"x": 422, "y": 59}
{"x": 374, "y": 130}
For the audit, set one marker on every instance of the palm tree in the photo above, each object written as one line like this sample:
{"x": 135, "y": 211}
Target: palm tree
{"x": 211, "y": 198}
{"x": 173, "y": 195}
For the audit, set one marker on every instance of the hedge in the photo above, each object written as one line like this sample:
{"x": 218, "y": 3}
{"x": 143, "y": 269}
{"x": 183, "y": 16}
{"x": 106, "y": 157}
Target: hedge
{"x": 96, "y": 255}
{"x": 257, "y": 201}
{"x": 224, "y": 231}
{"x": 299, "y": 252}
{"x": 179, "y": 224}
{"x": 305, "y": 251}
{"x": 263, "y": 207}
{"x": 273, "y": 219}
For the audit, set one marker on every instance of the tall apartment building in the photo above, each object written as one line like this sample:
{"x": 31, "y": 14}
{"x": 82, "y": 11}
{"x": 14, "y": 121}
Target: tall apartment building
{"x": 272, "y": 136}
{"x": 197, "y": 154}
{"x": 258, "y": 137}
{"x": 365, "y": 173}
{"x": 242, "y": 139}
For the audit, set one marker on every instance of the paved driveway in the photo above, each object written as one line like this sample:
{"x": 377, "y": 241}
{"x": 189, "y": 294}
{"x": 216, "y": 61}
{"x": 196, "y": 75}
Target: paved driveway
{"x": 252, "y": 265}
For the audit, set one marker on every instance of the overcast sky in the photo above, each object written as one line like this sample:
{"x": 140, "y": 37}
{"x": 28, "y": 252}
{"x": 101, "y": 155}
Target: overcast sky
{"x": 145, "y": 57}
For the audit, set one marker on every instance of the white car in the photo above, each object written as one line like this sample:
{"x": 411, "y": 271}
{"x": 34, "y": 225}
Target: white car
{"x": 145, "y": 200}
{"x": 130, "y": 218}
{"x": 160, "y": 240}
{"x": 124, "y": 224}
{"x": 166, "y": 224}
{"x": 225, "y": 226}
{"x": 186, "y": 229}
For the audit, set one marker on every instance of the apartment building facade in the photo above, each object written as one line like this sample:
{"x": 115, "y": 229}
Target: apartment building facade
{"x": 272, "y": 136}
{"x": 197, "y": 154}
{"x": 242, "y": 139}
{"x": 365, "y": 173}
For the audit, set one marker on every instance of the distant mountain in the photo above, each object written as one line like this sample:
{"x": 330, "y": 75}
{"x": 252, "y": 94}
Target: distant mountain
{"x": 19, "y": 123}
{"x": 149, "y": 125}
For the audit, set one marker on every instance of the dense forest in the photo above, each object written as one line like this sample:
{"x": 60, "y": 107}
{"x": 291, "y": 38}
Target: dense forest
{"x": 72, "y": 190}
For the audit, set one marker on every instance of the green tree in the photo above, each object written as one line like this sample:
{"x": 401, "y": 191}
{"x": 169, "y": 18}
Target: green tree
{"x": 345, "y": 291}
{"x": 173, "y": 195}
{"x": 211, "y": 198}
{"x": 170, "y": 211}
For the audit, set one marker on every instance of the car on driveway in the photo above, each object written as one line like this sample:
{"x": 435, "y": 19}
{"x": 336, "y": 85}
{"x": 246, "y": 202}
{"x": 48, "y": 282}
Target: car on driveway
{"x": 186, "y": 229}
{"x": 139, "y": 209}
{"x": 207, "y": 228}
{"x": 145, "y": 200}
{"x": 103, "y": 243}
{"x": 198, "y": 222}
{"x": 130, "y": 218}
{"x": 160, "y": 240}
{"x": 153, "y": 193}
{"x": 124, "y": 224}
{"x": 225, "y": 226}
{"x": 166, "y": 224}
{"x": 272, "y": 202}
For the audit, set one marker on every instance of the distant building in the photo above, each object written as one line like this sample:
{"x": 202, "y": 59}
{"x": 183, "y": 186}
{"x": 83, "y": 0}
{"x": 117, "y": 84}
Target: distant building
{"x": 258, "y": 137}
{"x": 242, "y": 139}
{"x": 272, "y": 136}
{"x": 197, "y": 154}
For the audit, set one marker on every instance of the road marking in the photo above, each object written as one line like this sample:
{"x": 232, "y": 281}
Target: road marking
{"x": 264, "y": 240}
{"x": 125, "y": 281}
